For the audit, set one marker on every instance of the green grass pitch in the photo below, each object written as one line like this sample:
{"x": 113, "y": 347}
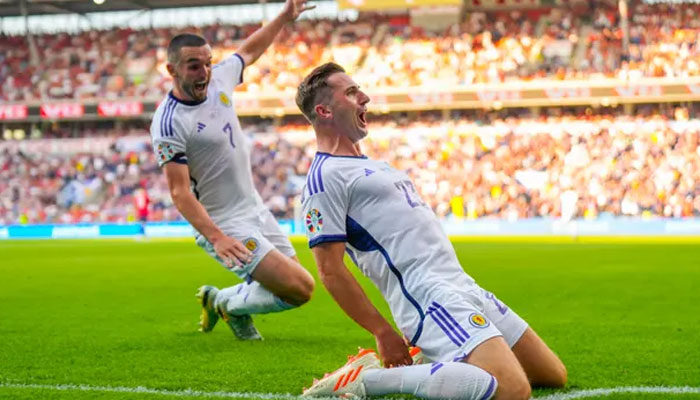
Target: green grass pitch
{"x": 123, "y": 314}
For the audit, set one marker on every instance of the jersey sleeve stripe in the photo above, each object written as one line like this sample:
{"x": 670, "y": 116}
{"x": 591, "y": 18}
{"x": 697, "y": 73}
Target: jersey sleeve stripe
{"x": 309, "y": 176}
{"x": 319, "y": 176}
{"x": 314, "y": 178}
{"x": 168, "y": 120}
{"x": 312, "y": 174}
{"x": 327, "y": 238}
{"x": 162, "y": 117}
{"x": 168, "y": 109}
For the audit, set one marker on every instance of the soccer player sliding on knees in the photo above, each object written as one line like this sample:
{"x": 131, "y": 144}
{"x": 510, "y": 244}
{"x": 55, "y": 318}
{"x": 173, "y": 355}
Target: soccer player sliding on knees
{"x": 474, "y": 346}
{"x": 206, "y": 159}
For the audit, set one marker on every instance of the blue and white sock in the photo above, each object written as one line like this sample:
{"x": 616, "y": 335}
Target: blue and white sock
{"x": 249, "y": 298}
{"x": 449, "y": 380}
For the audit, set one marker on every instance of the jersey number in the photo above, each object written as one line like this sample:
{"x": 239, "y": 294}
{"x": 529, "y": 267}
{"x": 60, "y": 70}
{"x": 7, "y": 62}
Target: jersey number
{"x": 228, "y": 129}
{"x": 410, "y": 192}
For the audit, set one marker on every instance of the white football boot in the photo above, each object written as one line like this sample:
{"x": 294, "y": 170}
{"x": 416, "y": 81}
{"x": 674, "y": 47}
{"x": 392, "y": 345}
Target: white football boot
{"x": 417, "y": 356}
{"x": 241, "y": 325}
{"x": 347, "y": 380}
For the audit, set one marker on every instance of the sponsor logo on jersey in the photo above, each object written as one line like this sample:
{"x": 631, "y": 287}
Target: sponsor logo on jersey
{"x": 223, "y": 98}
{"x": 314, "y": 220}
{"x": 478, "y": 321}
{"x": 251, "y": 244}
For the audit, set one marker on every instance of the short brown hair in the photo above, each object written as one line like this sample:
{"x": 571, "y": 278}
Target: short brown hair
{"x": 314, "y": 87}
{"x": 180, "y": 41}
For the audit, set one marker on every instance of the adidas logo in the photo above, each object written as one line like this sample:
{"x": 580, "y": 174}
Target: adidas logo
{"x": 368, "y": 172}
{"x": 200, "y": 126}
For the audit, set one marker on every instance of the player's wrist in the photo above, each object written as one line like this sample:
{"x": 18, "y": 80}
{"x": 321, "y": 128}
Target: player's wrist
{"x": 383, "y": 330}
{"x": 216, "y": 237}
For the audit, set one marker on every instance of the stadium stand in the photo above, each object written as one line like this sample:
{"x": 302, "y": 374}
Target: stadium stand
{"x": 510, "y": 167}
{"x": 380, "y": 51}
{"x": 511, "y": 164}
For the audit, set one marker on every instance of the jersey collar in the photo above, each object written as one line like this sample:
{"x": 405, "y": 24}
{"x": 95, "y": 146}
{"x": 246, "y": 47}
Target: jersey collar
{"x": 185, "y": 102}
{"x": 320, "y": 153}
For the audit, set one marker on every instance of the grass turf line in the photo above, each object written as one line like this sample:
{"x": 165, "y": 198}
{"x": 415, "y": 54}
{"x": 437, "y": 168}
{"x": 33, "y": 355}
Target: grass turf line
{"x": 123, "y": 313}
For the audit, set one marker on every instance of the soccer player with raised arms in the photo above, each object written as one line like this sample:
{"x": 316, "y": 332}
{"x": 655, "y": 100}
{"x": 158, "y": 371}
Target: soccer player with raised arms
{"x": 199, "y": 144}
{"x": 479, "y": 347}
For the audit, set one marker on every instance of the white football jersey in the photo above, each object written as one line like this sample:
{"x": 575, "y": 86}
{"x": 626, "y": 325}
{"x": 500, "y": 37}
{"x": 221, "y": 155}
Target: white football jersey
{"x": 390, "y": 234}
{"x": 208, "y": 138}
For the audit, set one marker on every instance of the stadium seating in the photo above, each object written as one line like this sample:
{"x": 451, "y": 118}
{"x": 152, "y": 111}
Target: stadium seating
{"x": 508, "y": 168}
{"x": 380, "y": 51}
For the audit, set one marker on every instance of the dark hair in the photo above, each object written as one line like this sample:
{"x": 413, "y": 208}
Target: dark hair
{"x": 180, "y": 41}
{"x": 315, "y": 87}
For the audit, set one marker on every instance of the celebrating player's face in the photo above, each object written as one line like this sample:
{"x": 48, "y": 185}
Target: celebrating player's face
{"x": 193, "y": 71}
{"x": 349, "y": 106}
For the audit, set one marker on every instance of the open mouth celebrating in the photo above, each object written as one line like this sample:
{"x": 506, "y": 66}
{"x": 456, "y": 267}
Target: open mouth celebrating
{"x": 363, "y": 118}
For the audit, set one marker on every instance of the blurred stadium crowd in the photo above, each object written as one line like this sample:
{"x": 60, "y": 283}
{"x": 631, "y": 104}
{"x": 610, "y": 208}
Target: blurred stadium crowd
{"x": 507, "y": 167}
{"x": 510, "y": 164}
{"x": 379, "y": 50}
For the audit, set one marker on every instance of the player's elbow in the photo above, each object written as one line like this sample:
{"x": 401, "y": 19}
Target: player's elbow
{"x": 326, "y": 274}
{"x": 179, "y": 195}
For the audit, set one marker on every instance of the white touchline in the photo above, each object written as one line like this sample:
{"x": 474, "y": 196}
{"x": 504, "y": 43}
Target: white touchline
{"x": 141, "y": 389}
{"x": 588, "y": 393}
{"x": 576, "y": 394}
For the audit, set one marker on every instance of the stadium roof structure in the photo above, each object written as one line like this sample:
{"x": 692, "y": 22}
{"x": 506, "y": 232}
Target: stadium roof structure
{"x": 13, "y": 8}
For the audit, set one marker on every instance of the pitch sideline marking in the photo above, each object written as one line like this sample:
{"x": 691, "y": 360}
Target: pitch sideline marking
{"x": 141, "y": 389}
{"x": 576, "y": 394}
{"x": 586, "y": 393}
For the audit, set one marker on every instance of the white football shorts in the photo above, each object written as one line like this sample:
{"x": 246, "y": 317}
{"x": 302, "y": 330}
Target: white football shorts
{"x": 456, "y": 322}
{"x": 260, "y": 234}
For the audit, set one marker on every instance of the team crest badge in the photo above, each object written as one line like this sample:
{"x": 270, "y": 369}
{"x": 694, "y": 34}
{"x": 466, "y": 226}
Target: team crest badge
{"x": 251, "y": 244}
{"x": 478, "y": 321}
{"x": 224, "y": 99}
{"x": 314, "y": 221}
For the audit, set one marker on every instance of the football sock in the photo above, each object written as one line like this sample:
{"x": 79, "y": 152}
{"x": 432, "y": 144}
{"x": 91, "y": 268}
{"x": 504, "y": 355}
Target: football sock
{"x": 448, "y": 380}
{"x": 249, "y": 298}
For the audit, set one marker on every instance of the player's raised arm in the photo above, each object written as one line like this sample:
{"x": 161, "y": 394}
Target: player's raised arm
{"x": 229, "y": 249}
{"x": 253, "y": 47}
{"x": 353, "y": 300}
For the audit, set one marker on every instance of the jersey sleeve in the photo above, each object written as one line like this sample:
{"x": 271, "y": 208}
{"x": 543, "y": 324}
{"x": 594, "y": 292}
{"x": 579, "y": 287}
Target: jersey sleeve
{"x": 325, "y": 208}
{"x": 168, "y": 135}
{"x": 230, "y": 71}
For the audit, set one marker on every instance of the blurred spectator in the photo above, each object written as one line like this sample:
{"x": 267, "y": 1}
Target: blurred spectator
{"x": 508, "y": 167}
{"x": 379, "y": 51}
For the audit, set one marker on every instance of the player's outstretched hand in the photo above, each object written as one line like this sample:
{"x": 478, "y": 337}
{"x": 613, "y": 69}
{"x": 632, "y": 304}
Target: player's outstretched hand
{"x": 392, "y": 349}
{"x": 293, "y": 8}
{"x": 232, "y": 251}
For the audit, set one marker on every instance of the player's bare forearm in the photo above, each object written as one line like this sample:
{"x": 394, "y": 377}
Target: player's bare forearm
{"x": 345, "y": 290}
{"x": 178, "y": 178}
{"x": 197, "y": 216}
{"x": 353, "y": 300}
{"x": 256, "y": 44}
{"x": 260, "y": 40}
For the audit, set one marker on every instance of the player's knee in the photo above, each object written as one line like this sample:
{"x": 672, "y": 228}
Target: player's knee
{"x": 553, "y": 376}
{"x": 520, "y": 391}
{"x": 301, "y": 290}
{"x": 558, "y": 379}
{"x": 514, "y": 389}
